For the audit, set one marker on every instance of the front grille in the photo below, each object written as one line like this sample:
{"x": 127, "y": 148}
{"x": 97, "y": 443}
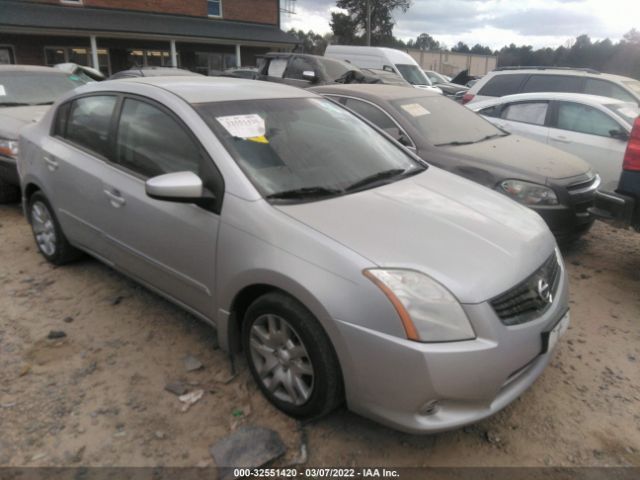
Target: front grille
{"x": 524, "y": 302}
{"x": 588, "y": 187}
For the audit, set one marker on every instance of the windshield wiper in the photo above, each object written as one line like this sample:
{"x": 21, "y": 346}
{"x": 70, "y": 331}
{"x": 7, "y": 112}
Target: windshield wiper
{"x": 456, "y": 143}
{"x": 378, "y": 177}
{"x": 305, "y": 192}
{"x": 14, "y": 104}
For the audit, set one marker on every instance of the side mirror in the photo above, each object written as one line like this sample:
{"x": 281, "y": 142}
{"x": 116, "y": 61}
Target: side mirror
{"x": 180, "y": 187}
{"x": 310, "y": 76}
{"x": 619, "y": 134}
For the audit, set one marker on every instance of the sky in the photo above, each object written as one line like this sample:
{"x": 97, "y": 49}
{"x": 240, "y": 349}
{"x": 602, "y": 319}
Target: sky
{"x": 496, "y": 23}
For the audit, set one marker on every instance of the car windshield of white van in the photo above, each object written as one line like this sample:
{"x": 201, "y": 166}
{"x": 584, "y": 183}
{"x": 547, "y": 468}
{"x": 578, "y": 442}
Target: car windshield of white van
{"x": 304, "y": 149}
{"x": 413, "y": 74}
{"x": 443, "y": 122}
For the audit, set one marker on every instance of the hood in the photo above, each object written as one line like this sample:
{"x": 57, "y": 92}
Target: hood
{"x": 12, "y": 119}
{"x": 452, "y": 87}
{"x": 474, "y": 241}
{"x": 523, "y": 156}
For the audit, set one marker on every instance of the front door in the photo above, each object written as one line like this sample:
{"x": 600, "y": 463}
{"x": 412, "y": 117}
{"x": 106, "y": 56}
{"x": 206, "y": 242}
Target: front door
{"x": 170, "y": 246}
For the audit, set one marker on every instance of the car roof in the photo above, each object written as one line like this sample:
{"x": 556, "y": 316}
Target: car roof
{"x": 375, "y": 91}
{"x": 201, "y": 89}
{"x": 567, "y": 96}
{"x": 576, "y": 72}
{"x": 30, "y": 68}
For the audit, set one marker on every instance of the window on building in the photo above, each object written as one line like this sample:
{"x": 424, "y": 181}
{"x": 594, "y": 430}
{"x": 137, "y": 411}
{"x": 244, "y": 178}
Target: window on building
{"x": 89, "y": 122}
{"x": 584, "y": 119}
{"x": 150, "y": 142}
{"x": 6, "y": 55}
{"x": 214, "y": 8}
{"x": 526, "y": 112}
{"x": 149, "y": 58}
{"x": 79, "y": 55}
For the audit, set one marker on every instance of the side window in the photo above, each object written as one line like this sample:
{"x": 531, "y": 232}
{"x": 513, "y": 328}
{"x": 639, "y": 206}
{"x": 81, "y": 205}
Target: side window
{"x": 60, "y": 122}
{"x": 374, "y": 115}
{"x": 150, "y": 142}
{"x": 584, "y": 119}
{"x": 604, "y": 88}
{"x": 89, "y": 121}
{"x": 526, "y": 112}
{"x": 297, "y": 66}
{"x": 491, "y": 111}
{"x": 277, "y": 67}
{"x": 500, "y": 85}
{"x": 552, "y": 83}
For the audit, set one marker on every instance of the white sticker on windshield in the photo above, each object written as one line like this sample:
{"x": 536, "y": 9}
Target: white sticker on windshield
{"x": 2, "y": 91}
{"x": 243, "y": 126}
{"x": 415, "y": 109}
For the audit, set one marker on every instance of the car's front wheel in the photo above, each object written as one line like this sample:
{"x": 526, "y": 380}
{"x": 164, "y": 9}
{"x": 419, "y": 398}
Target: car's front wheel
{"x": 51, "y": 241}
{"x": 291, "y": 357}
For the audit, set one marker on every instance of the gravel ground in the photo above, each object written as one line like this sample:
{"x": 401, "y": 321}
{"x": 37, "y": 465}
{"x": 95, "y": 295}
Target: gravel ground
{"x": 97, "y": 396}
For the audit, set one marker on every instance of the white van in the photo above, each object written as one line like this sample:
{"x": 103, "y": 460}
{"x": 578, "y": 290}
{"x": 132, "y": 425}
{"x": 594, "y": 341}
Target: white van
{"x": 382, "y": 58}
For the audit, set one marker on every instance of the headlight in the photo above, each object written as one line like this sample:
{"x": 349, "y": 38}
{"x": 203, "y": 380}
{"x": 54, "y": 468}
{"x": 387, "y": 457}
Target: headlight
{"x": 429, "y": 312}
{"x": 528, "y": 193}
{"x": 8, "y": 148}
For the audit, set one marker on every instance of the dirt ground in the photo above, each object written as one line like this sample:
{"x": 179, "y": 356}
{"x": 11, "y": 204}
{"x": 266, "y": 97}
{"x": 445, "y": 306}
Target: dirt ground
{"x": 96, "y": 397}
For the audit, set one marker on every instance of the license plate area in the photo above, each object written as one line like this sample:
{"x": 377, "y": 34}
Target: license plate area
{"x": 551, "y": 337}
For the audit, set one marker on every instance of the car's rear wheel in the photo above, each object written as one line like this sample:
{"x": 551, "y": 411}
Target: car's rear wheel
{"x": 50, "y": 239}
{"x": 8, "y": 193}
{"x": 291, "y": 357}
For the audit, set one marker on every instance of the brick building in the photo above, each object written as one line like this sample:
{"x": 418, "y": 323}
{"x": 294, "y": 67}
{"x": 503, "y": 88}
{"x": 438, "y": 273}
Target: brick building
{"x": 204, "y": 36}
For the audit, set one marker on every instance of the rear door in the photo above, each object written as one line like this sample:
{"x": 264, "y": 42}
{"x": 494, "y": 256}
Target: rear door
{"x": 586, "y": 132}
{"x": 75, "y": 160}
{"x": 525, "y": 118}
{"x": 169, "y": 246}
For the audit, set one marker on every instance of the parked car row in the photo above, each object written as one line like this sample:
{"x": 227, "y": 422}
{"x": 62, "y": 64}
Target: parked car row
{"x": 313, "y": 226}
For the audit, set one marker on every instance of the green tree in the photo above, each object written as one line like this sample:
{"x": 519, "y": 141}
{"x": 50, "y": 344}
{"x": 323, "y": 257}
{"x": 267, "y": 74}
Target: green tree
{"x": 425, "y": 42}
{"x": 309, "y": 42}
{"x": 344, "y": 29}
{"x": 461, "y": 47}
{"x": 382, "y": 21}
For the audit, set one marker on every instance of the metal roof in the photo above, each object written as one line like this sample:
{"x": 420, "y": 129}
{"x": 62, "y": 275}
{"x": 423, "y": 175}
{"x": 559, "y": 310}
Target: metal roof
{"x": 28, "y": 15}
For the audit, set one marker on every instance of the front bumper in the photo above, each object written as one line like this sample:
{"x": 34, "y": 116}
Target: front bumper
{"x": 567, "y": 222}
{"x": 395, "y": 380}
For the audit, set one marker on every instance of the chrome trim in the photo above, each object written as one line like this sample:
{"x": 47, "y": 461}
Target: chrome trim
{"x": 593, "y": 186}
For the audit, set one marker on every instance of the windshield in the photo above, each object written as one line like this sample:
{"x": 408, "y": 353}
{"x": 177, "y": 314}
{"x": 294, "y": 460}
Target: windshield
{"x": 34, "y": 88}
{"x": 633, "y": 85}
{"x": 444, "y": 122}
{"x": 336, "y": 68}
{"x": 436, "y": 78}
{"x": 305, "y": 147}
{"x": 413, "y": 74}
{"x": 628, "y": 111}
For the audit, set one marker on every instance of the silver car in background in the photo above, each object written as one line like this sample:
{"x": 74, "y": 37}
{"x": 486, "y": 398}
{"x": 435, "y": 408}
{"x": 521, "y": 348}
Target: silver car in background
{"x": 342, "y": 265}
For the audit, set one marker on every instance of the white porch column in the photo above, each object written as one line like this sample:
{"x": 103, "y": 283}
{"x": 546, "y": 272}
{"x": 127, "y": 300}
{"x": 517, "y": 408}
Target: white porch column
{"x": 238, "y": 58}
{"x": 174, "y": 54}
{"x": 94, "y": 53}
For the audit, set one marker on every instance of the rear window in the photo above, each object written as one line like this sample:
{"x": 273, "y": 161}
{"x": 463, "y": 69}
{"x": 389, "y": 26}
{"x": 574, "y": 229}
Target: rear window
{"x": 501, "y": 85}
{"x": 552, "y": 83}
{"x": 604, "y": 88}
{"x": 89, "y": 122}
{"x": 443, "y": 121}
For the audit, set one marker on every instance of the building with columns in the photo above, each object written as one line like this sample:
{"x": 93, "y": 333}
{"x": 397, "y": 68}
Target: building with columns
{"x": 205, "y": 36}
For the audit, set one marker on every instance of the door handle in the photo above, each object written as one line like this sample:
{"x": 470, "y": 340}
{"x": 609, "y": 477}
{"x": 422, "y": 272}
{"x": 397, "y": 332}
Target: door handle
{"x": 115, "y": 198}
{"x": 52, "y": 164}
{"x": 561, "y": 139}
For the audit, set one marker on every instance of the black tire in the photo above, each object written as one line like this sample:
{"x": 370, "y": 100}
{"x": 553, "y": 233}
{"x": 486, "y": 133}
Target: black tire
{"x": 327, "y": 388}
{"x": 63, "y": 251}
{"x": 9, "y": 193}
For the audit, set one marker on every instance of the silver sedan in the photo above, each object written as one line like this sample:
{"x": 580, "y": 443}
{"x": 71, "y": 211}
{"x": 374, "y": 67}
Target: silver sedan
{"x": 343, "y": 266}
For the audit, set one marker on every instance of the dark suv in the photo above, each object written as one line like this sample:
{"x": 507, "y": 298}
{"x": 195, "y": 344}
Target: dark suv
{"x": 623, "y": 207}
{"x": 303, "y": 70}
